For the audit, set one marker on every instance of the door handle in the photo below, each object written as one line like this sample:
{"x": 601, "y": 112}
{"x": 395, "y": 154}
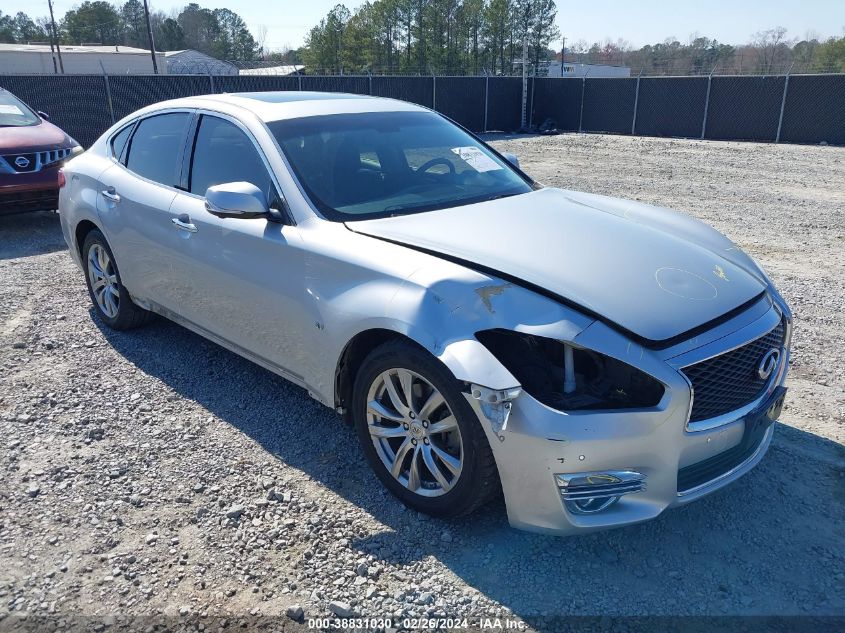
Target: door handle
{"x": 183, "y": 222}
{"x": 110, "y": 194}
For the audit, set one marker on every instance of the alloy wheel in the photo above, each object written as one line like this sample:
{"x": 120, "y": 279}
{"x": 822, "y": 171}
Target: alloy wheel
{"x": 103, "y": 278}
{"x": 415, "y": 433}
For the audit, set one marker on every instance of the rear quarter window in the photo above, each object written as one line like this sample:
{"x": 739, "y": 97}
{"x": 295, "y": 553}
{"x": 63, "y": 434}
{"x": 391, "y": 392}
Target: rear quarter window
{"x": 118, "y": 141}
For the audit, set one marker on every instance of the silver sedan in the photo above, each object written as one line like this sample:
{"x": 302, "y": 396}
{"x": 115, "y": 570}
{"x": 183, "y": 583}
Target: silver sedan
{"x": 594, "y": 360}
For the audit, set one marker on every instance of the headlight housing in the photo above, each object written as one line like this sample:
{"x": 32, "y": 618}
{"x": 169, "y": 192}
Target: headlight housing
{"x": 594, "y": 381}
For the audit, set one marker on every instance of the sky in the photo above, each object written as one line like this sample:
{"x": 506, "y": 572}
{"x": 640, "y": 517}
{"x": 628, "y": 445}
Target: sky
{"x": 638, "y": 22}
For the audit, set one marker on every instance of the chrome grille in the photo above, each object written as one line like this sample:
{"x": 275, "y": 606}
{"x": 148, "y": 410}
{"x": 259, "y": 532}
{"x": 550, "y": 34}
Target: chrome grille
{"x": 729, "y": 381}
{"x": 28, "y": 162}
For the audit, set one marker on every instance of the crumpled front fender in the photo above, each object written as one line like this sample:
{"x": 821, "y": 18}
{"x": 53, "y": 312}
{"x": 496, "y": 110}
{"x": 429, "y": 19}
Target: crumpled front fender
{"x": 443, "y": 315}
{"x": 440, "y": 305}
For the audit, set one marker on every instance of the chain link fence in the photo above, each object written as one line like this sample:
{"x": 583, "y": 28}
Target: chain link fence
{"x": 789, "y": 108}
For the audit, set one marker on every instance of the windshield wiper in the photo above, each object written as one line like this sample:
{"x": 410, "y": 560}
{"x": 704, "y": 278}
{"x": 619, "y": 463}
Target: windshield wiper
{"x": 416, "y": 205}
{"x": 456, "y": 202}
{"x": 499, "y": 196}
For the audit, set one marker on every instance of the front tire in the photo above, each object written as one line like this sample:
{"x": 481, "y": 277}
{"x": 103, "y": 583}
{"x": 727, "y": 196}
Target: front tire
{"x": 111, "y": 301}
{"x": 419, "y": 433}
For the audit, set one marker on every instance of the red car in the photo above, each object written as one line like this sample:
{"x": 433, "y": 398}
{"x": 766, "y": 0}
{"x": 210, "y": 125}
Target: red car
{"x": 31, "y": 152}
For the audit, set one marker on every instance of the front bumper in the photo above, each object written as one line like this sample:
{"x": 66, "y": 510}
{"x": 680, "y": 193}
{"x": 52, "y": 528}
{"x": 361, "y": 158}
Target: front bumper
{"x": 31, "y": 191}
{"x": 538, "y": 448}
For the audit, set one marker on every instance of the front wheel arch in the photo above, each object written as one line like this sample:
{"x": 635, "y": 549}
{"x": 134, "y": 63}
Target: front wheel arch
{"x": 478, "y": 480}
{"x": 351, "y": 359}
{"x": 467, "y": 360}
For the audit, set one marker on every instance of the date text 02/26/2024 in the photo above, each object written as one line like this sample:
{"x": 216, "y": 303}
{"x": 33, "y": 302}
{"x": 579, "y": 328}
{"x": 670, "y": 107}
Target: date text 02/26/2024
{"x": 414, "y": 624}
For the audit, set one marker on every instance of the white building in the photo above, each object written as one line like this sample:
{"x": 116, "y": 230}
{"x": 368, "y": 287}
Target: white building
{"x": 191, "y": 62}
{"x": 294, "y": 69}
{"x": 573, "y": 69}
{"x": 38, "y": 59}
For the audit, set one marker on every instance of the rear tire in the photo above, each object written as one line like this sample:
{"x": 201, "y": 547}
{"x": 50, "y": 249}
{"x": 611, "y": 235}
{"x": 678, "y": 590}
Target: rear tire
{"x": 111, "y": 301}
{"x": 455, "y": 472}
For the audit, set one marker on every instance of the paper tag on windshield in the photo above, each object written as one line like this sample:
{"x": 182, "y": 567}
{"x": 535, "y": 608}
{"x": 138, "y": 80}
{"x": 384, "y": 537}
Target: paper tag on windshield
{"x": 10, "y": 109}
{"x": 476, "y": 159}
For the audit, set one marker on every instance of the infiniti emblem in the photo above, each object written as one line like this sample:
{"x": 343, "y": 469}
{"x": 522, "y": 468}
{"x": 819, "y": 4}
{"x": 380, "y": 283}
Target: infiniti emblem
{"x": 22, "y": 162}
{"x": 768, "y": 363}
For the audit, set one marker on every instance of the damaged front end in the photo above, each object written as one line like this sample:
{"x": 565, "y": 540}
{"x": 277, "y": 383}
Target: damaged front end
{"x": 495, "y": 405}
{"x": 569, "y": 396}
{"x": 575, "y": 414}
{"x": 566, "y": 377}
{"x": 566, "y": 402}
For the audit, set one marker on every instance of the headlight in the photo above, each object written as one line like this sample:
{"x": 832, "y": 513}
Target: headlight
{"x": 76, "y": 149}
{"x": 571, "y": 378}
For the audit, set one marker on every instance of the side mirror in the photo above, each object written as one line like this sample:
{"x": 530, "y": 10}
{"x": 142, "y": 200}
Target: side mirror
{"x": 236, "y": 199}
{"x": 511, "y": 158}
{"x": 43, "y": 115}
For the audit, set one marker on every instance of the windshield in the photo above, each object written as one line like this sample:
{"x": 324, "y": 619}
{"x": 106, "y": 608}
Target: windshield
{"x": 14, "y": 112}
{"x": 381, "y": 164}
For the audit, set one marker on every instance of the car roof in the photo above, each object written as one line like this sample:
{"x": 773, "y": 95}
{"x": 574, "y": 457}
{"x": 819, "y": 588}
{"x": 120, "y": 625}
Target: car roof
{"x": 288, "y": 96}
{"x": 292, "y": 104}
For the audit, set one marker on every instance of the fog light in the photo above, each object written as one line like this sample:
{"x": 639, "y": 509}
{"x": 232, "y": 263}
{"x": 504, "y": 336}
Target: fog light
{"x": 588, "y": 493}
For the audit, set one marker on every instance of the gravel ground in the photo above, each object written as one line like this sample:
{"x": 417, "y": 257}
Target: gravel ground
{"x": 154, "y": 474}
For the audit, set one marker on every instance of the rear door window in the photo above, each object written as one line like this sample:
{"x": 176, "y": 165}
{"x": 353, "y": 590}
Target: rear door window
{"x": 156, "y": 147}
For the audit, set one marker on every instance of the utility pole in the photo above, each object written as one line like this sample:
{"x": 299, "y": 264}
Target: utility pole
{"x": 524, "y": 78}
{"x": 53, "y": 56}
{"x": 562, "y": 55}
{"x": 56, "y": 36}
{"x": 150, "y": 36}
{"x": 525, "y": 65}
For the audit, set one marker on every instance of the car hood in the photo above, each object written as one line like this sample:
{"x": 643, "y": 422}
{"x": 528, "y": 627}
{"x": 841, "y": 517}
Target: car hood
{"x": 654, "y": 273}
{"x": 32, "y": 138}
